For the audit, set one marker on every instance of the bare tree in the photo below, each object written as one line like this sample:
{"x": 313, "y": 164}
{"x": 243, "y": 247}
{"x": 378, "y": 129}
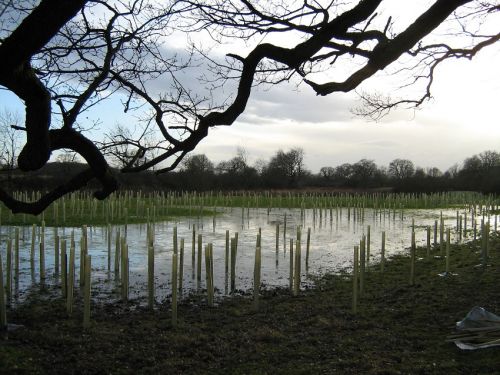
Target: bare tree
{"x": 287, "y": 165}
{"x": 260, "y": 165}
{"x": 125, "y": 150}
{"x": 75, "y": 55}
{"x": 434, "y": 172}
{"x": 67, "y": 157}
{"x": 401, "y": 169}
{"x": 363, "y": 172}
{"x": 197, "y": 164}
{"x": 485, "y": 161}
{"x": 344, "y": 172}
{"x": 62, "y": 58}
{"x": 327, "y": 173}
{"x": 453, "y": 171}
{"x": 11, "y": 139}
{"x": 235, "y": 165}
{"x": 489, "y": 159}
{"x": 232, "y": 166}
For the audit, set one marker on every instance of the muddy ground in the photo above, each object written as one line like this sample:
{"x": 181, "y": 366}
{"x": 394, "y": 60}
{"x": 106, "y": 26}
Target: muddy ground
{"x": 399, "y": 328}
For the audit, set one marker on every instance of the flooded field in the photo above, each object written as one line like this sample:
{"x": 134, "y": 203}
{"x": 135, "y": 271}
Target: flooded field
{"x": 334, "y": 233}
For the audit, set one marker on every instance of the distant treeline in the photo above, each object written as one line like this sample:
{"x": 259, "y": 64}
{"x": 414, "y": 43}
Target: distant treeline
{"x": 285, "y": 170}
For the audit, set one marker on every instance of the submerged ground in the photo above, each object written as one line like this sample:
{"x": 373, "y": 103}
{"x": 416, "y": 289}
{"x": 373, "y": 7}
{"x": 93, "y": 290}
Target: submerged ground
{"x": 399, "y": 329}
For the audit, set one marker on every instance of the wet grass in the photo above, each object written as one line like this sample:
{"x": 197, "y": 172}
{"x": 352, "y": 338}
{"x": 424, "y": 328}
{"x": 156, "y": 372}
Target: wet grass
{"x": 399, "y": 329}
{"x": 132, "y": 207}
{"x": 86, "y": 217}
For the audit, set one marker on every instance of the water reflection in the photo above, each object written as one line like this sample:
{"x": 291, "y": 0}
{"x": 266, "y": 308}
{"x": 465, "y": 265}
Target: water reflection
{"x": 333, "y": 233}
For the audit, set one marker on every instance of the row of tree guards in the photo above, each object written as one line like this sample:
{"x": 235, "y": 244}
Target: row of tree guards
{"x": 64, "y": 263}
{"x": 65, "y": 267}
{"x": 361, "y": 256}
{"x": 150, "y": 207}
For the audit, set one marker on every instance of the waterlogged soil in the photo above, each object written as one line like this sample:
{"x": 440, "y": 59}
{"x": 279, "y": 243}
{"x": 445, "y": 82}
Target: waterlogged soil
{"x": 398, "y": 329}
{"x": 332, "y": 233}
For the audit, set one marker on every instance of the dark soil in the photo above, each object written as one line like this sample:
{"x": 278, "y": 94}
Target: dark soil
{"x": 399, "y": 329}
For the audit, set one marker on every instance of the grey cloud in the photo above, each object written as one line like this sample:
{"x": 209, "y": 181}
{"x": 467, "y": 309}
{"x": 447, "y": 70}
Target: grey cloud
{"x": 279, "y": 102}
{"x": 283, "y": 102}
{"x": 381, "y": 143}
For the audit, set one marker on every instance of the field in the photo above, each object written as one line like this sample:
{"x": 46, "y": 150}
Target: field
{"x": 398, "y": 329}
{"x": 301, "y": 320}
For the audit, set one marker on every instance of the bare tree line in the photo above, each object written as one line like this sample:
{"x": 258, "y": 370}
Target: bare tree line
{"x": 286, "y": 170}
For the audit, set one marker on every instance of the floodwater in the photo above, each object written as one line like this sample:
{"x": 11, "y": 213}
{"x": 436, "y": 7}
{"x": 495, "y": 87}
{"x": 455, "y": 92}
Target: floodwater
{"x": 334, "y": 233}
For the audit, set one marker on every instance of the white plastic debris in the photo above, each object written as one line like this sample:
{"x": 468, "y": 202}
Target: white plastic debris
{"x": 479, "y": 329}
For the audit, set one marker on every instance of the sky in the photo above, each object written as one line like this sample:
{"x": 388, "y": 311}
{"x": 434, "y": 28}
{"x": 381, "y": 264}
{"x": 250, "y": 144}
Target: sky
{"x": 462, "y": 119}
